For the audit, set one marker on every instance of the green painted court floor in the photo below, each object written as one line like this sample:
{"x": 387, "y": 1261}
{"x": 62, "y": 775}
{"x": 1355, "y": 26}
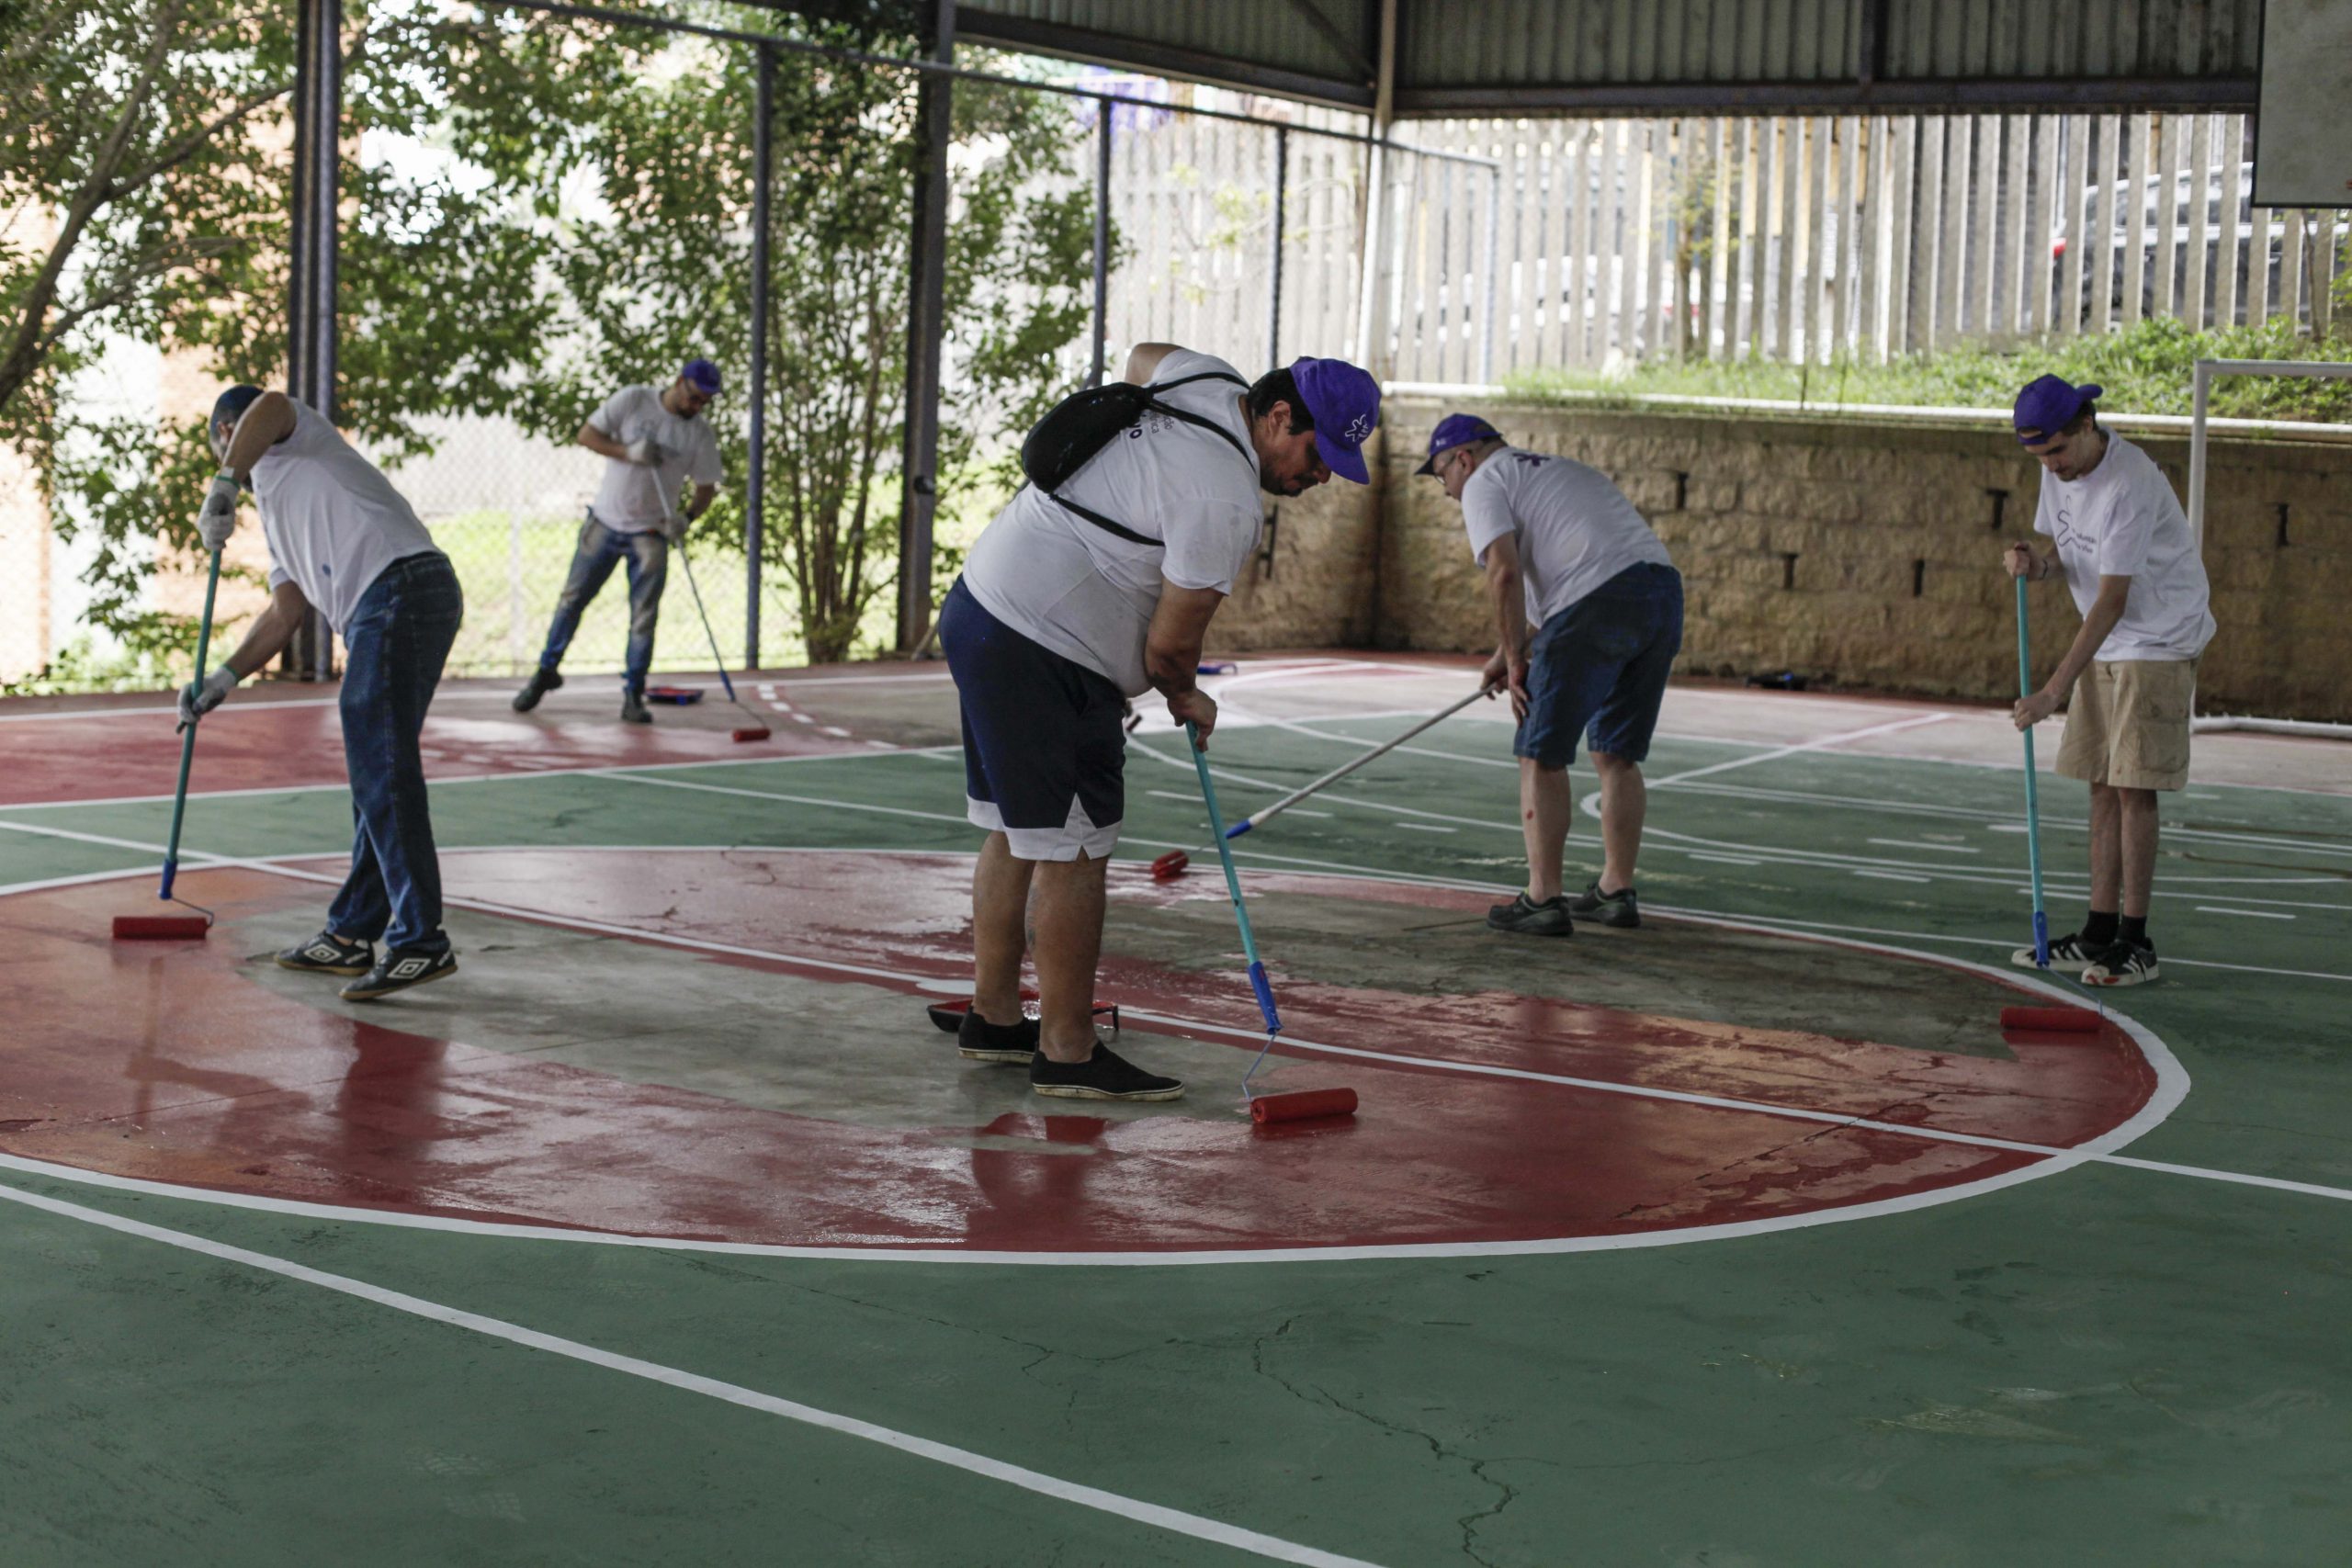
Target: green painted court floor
{"x": 2107, "y": 1364}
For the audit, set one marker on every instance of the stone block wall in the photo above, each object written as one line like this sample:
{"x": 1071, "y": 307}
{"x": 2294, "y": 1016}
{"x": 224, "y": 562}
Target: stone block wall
{"x": 1868, "y": 555}
{"x": 1312, "y": 584}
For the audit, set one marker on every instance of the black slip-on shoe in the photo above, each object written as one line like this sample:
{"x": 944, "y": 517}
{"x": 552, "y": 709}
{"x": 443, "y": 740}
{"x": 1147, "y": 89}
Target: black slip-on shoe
{"x": 1621, "y": 910}
{"x": 400, "y": 969}
{"x": 977, "y": 1040}
{"x": 1106, "y": 1074}
{"x": 541, "y": 682}
{"x": 633, "y": 708}
{"x": 1528, "y": 918}
{"x": 327, "y": 953}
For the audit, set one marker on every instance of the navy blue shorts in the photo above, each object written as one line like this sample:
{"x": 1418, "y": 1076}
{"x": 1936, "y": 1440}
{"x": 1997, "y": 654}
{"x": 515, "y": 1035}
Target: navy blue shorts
{"x": 1045, "y": 740}
{"x": 1599, "y": 668}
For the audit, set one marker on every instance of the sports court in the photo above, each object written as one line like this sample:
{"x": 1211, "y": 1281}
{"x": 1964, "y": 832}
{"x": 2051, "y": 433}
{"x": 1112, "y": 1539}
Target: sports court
{"x": 674, "y": 1230}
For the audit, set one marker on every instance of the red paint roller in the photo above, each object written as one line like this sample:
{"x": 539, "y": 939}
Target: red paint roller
{"x": 1302, "y": 1105}
{"x": 1171, "y": 866}
{"x": 2052, "y": 1020}
{"x": 754, "y": 731}
{"x": 179, "y": 928}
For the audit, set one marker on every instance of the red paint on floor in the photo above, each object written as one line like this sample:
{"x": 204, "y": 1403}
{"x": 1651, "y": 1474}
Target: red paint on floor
{"x": 103, "y": 753}
{"x": 168, "y": 1063}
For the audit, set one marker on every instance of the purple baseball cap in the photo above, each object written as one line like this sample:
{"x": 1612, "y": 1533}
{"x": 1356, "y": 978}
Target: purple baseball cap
{"x": 1344, "y": 403}
{"x": 2047, "y": 405}
{"x": 1456, "y": 430}
{"x": 702, "y": 375}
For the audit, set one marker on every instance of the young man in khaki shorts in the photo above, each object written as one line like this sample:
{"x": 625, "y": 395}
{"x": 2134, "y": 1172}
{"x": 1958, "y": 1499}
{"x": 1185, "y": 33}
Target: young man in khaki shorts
{"x": 2124, "y": 548}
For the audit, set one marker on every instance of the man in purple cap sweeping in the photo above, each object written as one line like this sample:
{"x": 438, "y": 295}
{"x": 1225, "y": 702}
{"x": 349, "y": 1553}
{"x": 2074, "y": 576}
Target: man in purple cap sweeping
{"x": 2124, "y": 548}
{"x": 1074, "y": 600}
{"x": 1588, "y": 617}
{"x": 653, "y": 440}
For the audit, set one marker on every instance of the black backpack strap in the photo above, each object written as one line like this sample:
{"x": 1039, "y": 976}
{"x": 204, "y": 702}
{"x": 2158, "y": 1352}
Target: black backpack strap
{"x": 1152, "y": 402}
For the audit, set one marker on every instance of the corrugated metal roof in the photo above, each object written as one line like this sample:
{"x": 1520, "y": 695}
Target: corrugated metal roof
{"x": 1471, "y": 56}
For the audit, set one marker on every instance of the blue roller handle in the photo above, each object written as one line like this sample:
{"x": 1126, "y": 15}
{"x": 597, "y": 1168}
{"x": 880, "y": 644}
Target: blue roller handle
{"x": 1233, "y": 886}
{"x": 187, "y": 733}
{"x": 2032, "y": 804}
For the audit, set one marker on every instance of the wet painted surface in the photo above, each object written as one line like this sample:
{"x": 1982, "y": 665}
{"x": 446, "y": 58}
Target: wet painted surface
{"x": 590, "y": 1079}
{"x": 267, "y": 745}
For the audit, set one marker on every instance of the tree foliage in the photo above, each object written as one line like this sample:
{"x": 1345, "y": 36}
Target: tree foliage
{"x": 569, "y": 213}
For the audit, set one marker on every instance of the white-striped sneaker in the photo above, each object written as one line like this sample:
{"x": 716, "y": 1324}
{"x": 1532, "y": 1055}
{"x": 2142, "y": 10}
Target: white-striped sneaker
{"x": 2123, "y": 963}
{"x": 2068, "y": 956}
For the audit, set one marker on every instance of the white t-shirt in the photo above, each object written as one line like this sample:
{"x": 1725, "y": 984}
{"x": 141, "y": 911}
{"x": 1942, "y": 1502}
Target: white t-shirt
{"x": 332, "y": 520}
{"x": 2122, "y": 520}
{"x": 629, "y": 500}
{"x": 1576, "y": 529}
{"x": 1085, "y": 592}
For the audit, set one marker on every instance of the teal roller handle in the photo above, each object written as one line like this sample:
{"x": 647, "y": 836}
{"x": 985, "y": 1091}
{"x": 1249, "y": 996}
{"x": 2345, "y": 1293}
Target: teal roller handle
{"x": 2032, "y": 803}
{"x": 187, "y": 733}
{"x": 1233, "y": 884}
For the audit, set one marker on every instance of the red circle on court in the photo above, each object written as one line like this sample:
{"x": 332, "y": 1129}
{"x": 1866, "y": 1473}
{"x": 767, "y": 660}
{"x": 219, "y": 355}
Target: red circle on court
{"x": 731, "y": 1047}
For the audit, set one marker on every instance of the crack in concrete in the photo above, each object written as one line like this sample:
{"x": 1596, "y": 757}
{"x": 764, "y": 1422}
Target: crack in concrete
{"x": 1438, "y": 1449}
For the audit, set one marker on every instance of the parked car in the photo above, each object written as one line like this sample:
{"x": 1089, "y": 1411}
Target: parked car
{"x": 2228, "y": 223}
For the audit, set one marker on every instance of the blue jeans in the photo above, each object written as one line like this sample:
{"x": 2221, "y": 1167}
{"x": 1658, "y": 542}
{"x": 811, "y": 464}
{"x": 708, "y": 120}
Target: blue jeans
{"x": 600, "y": 550}
{"x": 397, "y": 642}
{"x": 1600, "y": 667}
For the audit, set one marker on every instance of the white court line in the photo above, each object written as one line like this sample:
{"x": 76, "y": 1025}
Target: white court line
{"x": 1916, "y": 844}
{"x": 1423, "y": 827}
{"x": 1913, "y": 722}
{"x": 1133, "y": 1510}
{"x": 1888, "y": 875}
{"x": 2250, "y": 914}
{"x": 1719, "y": 860}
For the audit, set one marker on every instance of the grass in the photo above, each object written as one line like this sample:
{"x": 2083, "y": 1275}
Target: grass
{"x": 2145, "y": 369}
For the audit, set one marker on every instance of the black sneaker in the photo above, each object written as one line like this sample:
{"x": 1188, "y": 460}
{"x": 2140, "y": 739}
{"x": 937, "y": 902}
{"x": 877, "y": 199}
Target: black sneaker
{"x": 1103, "y": 1076}
{"x": 2069, "y": 954}
{"x": 1528, "y": 918}
{"x": 542, "y": 681}
{"x": 633, "y": 708}
{"x": 2123, "y": 963}
{"x": 1622, "y": 909}
{"x": 400, "y": 969}
{"x": 327, "y": 953}
{"x": 977, "y": 1040}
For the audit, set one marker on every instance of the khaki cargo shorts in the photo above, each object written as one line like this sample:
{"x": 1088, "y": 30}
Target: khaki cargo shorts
{"x": 2128, "y": 723}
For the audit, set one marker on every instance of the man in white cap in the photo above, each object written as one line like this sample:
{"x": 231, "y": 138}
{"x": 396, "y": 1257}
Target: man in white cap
{"x": 1072, "y": 601}
{"x": 2123, "y": 544}
{"x": 1588, "y": 617}
{"x": 343, "y": 541}
{"x": 654, "y": 440}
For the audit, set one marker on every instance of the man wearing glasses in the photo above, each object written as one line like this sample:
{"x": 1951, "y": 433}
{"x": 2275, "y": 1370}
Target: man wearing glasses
{"x": 1588, "y": 612}
{"x": 653, "y": 441}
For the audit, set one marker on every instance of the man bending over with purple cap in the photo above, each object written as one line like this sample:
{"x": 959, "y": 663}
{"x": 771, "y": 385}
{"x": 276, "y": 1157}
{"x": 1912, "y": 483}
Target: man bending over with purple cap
{"x": 1566, "y": 555}
{"x": 653, "y": 441}
{"x": 2124, "y": 548}
{"x": 1074, "y": 602}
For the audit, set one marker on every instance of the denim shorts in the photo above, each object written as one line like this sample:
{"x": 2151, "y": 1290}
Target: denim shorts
{"x": 1599, "y": 668}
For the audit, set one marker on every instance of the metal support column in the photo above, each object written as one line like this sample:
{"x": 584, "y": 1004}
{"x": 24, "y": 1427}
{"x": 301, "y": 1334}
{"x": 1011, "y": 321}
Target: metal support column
{"x": 311, "y": 293}
{"x": 925, "y": 327}
{"x": 1281, "y": 191}
{"x": 755, "y": 476}
{"x": 1101, "y": 238}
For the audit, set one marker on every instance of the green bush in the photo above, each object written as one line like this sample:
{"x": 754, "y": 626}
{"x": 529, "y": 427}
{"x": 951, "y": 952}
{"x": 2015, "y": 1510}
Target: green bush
{"x": 2145, "y": 369}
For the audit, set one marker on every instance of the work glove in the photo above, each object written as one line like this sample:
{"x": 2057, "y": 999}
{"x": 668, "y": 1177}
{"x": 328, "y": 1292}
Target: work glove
{"x": 673, "y": 527}
{"x": 200, "y": 697}
{"x": 219, "y": 518}
{"x": 645, "y": 452}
